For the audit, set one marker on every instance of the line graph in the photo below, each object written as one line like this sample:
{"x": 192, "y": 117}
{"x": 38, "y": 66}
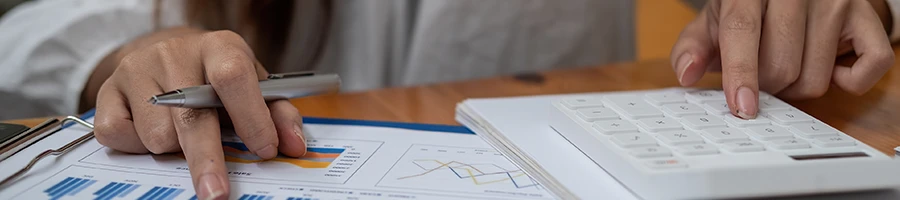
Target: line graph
{"x": 473, "y": 170}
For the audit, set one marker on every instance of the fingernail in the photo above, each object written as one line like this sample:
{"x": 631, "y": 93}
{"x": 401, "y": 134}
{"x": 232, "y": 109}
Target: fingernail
{"x": 267, "y": 152}
{"x": 299, "y": 133}
{"x": 683, "y": 62}
{"x": 746, "y": 103}
{"x": 210, "y": 187}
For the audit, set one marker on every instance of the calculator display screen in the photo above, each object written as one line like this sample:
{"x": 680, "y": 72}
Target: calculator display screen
{"x": 829, "y": 156}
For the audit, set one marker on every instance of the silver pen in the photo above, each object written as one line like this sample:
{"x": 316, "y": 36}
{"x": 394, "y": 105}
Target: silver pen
{"x": 276, "y": 87}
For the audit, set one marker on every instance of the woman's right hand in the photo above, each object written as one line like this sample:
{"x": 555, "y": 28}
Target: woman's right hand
{"x": 125, "y": 121}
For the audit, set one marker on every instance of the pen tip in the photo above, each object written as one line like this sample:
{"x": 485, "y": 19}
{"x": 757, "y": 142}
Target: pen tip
{"x": 152, "y": 100}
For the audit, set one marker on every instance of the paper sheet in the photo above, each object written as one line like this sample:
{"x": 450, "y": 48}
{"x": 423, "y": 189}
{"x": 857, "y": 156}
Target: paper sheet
{"x": 346, "y": 162}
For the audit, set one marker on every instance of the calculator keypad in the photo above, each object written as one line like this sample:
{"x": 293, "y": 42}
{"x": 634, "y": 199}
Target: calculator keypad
{"x": 660, "y": 128}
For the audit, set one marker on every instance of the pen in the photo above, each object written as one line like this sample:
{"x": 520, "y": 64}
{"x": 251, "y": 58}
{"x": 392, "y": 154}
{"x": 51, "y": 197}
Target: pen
{"x": 276, "y": 87}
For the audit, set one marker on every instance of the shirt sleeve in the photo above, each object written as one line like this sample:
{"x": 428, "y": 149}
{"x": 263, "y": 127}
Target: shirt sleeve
{"x": 50, "y": 48}
{"x": 894, "y": 7}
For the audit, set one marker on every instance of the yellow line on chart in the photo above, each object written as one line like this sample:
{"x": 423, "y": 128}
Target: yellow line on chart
{"x": 472, "y": 176}
{"x": 469, "y": 171}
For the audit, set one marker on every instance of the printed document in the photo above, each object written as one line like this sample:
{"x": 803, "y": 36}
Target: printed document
{"x": 344, "y": 162}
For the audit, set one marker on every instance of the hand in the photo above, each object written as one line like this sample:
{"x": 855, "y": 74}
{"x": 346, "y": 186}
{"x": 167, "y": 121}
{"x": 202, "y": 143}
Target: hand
{"x": 784, "y": 47}
{"x": 125, "y": 121}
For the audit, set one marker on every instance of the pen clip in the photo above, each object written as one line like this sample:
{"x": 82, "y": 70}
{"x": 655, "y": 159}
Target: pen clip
{"x": 291, "y": 75}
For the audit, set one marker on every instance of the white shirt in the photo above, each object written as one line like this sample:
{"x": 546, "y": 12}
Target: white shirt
{"x": 50, "y": 47}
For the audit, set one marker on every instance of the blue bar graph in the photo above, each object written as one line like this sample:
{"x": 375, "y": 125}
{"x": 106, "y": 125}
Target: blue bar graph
{"x": 69, "y": 186}
{"x": 115, "y": 190}
{"x": 255, "y": 197}
{"x": 162, "y": 193}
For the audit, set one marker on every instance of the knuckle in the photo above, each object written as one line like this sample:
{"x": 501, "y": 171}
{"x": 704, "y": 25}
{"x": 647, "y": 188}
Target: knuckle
{"x": 130, "y": 63}
{"x": 160, "y": 143}
{"x": 883, "y": 60}
{"x": 782, "y": 73}
{"x": 740, "y": 22}
{"x": 222, "y": 35}
{"x": 104, "y": 131}
{"x": 234, "y": 67}
{"x": 836, "y": 10}
{"x": 810, "y": 91}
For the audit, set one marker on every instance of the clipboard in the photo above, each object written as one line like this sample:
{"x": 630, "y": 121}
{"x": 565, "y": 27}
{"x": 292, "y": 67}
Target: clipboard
{"x": 38, "y": 133}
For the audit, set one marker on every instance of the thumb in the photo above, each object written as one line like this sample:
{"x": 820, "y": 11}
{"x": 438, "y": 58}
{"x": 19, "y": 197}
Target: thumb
{"x": 693, "y": 51}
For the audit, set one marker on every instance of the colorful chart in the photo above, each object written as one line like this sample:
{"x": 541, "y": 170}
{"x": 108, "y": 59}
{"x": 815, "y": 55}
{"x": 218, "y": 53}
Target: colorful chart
{"x": 316, "y": 157}
{"x": 479, "y": 174}
{"x": 326, "y": 161}
{"x": 474, "y": 170}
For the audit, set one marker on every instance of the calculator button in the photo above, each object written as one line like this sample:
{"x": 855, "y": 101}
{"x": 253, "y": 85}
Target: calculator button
{"x": 650, "y": 152}
{"x": 705, "y": 96}
{"x": 702, "y": 121}
{"x": 633, "y": 107}
{"x": 665, "y": 98}
{"x": 772, "y": 104}
{"x": 745, "y": 146}
{"x": 770, "y": 132}
{"x": 666, "y": 164}
{"x": 759, "y": 121}
{"x": 633, "y": 140}
{"x": 788, "y": 117}
{"x": 810, "y": 130}
{"x": 720, "y": 135}
{"x": 679, "y": 137}
{"x": 595, "y": 114}
{"x": 792, "y": 143}
{"x": 697, "y": 149}
{"x": 659, "y": 124}
{"x": 835, "y": 141}
{"x": 614, "y": 126}
{"x": 717, "y": 107}
{"x": 683, "y": 109}
{"x": 582, "y": 102}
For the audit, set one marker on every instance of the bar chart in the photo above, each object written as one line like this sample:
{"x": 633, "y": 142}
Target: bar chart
{"x": 255, "y": 197}
{"x": 68, "y": 187}
{"x": 115, "y": 190}
{"x": 89, "y": 183}
{"x": 161, "y": 193}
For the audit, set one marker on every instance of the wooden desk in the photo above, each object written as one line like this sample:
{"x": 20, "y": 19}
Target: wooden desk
{"x": 871, "y": 118}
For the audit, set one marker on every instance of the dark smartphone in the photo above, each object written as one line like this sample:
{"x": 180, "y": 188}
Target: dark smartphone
{"x": 10, "y": 133}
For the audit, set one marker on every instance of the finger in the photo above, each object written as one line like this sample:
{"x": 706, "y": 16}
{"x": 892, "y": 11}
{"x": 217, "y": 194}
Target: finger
{"x": 198, "y": 131}
{"x": 199, "y": 134}
{"x": 113, "y": 126}
{"x": 873, "y": 48}
{"x": 288, "y": 123}
{"x": 739, "y": 32}
{"x": 693, "y": 51}
{"x": 823, "y": 30}
{"x": 781, "y": 45}
{"x": 232, "y": 73}
{"x": 153, "y": 124}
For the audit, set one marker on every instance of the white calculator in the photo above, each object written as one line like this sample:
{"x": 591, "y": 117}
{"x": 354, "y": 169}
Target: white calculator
{"x": 685, "y": 144}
